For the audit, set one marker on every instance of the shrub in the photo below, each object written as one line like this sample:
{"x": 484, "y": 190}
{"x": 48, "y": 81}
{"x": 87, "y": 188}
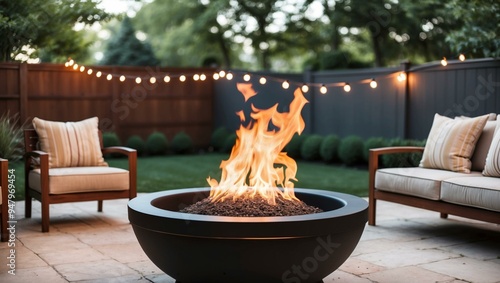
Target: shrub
{"x": 219, "y": 138}
{"x": 351, "y": 150}
{"x": 157, "y": 143}
{"x": 181, "y": 143}
{"x": 293, "y": 147}
{"x": 229, "y": 142}
{"x": 309, "y": 149}
{"x": 402, "y": 159}
{"x": 137, "y": 143}
{"x": 370, "y": 143}
{"x": 11, "y": 137}
{"x": 329, "y": 148}
{"x": 110, "y": 139}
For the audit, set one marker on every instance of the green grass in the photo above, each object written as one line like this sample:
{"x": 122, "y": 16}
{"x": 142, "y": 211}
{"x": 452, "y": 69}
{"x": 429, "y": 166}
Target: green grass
{"x": 188, "y": 171}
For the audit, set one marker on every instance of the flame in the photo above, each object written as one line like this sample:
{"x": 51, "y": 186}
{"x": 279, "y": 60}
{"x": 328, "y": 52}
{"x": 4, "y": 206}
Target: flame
{"x": 257, "y": 165}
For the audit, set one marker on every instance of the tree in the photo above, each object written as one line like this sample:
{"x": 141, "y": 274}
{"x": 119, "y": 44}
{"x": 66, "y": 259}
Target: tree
{"x": 478, "y": 33}
{"x": 127, "y": 50}
{"x": 45, "y": 26}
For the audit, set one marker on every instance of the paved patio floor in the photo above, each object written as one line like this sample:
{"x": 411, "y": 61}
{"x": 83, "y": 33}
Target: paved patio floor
{"x": 408, "y": 245}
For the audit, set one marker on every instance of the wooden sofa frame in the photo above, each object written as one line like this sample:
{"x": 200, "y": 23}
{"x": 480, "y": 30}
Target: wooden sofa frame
{"x": 444, "y": 208}
{"x": 31, "y": 140}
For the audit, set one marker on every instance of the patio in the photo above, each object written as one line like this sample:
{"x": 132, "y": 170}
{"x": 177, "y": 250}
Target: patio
{"x": 409, "y": 244}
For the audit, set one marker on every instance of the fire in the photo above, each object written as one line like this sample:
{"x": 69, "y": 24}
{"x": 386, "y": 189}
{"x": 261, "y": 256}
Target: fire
{"x": 257, "y": 166}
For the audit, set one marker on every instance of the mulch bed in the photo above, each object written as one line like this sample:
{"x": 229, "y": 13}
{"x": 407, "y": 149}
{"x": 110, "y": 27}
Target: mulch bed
{"x": 253, "y": 207}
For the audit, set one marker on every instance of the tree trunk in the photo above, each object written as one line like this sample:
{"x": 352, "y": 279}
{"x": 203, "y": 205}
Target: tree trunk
{"x": 377, "y": 50}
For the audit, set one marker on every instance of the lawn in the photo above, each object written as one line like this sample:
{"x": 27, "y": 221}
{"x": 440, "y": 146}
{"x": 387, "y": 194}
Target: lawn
{"x": 188, "y": 171}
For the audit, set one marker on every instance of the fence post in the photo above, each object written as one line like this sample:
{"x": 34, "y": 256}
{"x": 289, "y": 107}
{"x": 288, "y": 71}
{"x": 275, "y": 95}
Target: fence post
{"x": 23, "y": 91}
{"x": 406, "y": 123}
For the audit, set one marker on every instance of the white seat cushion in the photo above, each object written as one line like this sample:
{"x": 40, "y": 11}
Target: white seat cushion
{"x": 82, "y": 179}
{"x": 482, "y": 192}
{"x": 415, "y": 181}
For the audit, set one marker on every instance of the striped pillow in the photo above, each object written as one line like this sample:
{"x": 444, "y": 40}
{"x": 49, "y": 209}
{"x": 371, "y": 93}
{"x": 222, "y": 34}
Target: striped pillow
{"x": 451, "y": 143}
{"x": 492, "y": 167}
{"x": 70, "y": 144}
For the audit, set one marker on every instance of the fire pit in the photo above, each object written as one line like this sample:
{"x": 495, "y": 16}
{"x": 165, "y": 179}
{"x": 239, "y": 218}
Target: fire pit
{"x": 201, "y": 248}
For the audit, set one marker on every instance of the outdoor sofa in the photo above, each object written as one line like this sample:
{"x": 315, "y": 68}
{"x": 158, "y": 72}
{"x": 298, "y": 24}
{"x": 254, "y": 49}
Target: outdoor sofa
{"x": 459, "y": 173}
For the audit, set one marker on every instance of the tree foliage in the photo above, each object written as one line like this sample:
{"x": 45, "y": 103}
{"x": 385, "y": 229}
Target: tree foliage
{"x": 45, "y": 27}
{"x": 126, "y": 49}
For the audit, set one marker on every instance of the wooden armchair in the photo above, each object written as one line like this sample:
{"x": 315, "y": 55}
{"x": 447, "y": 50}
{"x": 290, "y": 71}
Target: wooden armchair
{"x": 52, "y": 185}
{"x": 4, "y": 201}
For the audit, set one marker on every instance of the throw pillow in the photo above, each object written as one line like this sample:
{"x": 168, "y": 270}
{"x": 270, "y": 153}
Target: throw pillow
{"x": 492, "y": 167}
{"x": 70, "y": 144}
{"x": 451, "y": 143}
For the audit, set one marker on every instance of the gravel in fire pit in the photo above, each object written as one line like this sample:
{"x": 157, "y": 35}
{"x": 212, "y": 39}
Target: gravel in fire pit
{"x": 254, "y": 207}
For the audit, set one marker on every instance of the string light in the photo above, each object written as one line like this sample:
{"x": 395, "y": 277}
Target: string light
{"x": 152, "y": 80}
{"x": 138, "y": 80}
{"x": 444, "y": 62}
{"x": 323, "y": 89}
{"x": 402, "y": 76}
{"x": 347, "y": 87}
{"x": 98, "y": 74}
{"x": 182, "y": 78}
{"x": 122, "y": 78}
{"x": 262, "y": 80}
{"x": 166, "y": 79}
{"x": 196, "y": 77}
{"x": 75, "y": 67}
{"x": 373, "y": 83}
{"x": 216, "y": 76}
{"x": 89, "y": 71}
{"x": 222, "y": 74}
{"x": 109, "y": 77}
{"x": 305, "y": 88}
{"x": 461, "y": 57}
{"x": 229, "y": 76}
{"x": 246, "y": 77}
{"x": 71, "y": 62}
{"x": 203, "y": 77}
{"x": 82, "y": 68}
{"x": 285, "y": 85}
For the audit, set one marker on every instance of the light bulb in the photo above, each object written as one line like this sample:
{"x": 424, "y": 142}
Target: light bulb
{"x": 323, "y": 89}
{"x": 122, "y": 78}
{"x": 138, "y": 80}
{"x": 75, "y": 67}
{"x": 443, "y": 62}
{"x": 402, "y": 76}
{"x": 347, "y": 87}
{"x": 203, "y": 77}
{"x": 229, "y": 76}
{"x": 373, "y": 83}
{"x": 246, "y": 77}
{"x": 285, "y": 84}
{"x": 82, "y": 68}
{"x": 66, "y": 64}
{"x": 71, "y": 62}
{"x": 98, "y": 74}
{"x": 182, "y": 78}
{"x": 89, "y": 71}
{"x": 109, "y": 77}
{"x": 166, "y": 79}
{"x": 196, "y": 77}
{"x": 262, "y": 80}
{"x": 305, "y": 88}
{"x": 152, "y": 80}
{"x": 222, "y": 73}
{"x": 461, "y": 57}
{"x": 216, "y": 76}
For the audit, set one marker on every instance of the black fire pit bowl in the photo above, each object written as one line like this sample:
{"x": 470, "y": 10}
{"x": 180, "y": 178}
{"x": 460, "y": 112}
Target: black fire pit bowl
{"x": 201, "y": 248}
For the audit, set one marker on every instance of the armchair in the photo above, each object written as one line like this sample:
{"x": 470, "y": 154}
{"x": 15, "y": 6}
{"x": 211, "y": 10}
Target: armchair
{"x": 64, "y": 163}
{"x": 4, "y": 203}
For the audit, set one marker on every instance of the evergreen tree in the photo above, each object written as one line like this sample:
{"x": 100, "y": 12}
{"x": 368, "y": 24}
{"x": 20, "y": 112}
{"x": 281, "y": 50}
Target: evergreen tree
{"x": 126, "y": 50}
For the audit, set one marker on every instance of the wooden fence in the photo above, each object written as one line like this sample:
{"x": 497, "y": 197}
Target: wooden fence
{"x": 59, "y": 93}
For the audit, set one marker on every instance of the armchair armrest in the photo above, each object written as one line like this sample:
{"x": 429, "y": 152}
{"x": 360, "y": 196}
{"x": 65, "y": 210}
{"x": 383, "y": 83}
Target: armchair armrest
{"x": 119, "y": 149}
{"x": 132, "y": 164}
{"x": 376, "y": 152}
{"x": 42, "y": 156}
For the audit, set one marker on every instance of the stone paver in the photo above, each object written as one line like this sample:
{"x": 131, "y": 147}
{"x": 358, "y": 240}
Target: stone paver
{"x": 407, "y": 245}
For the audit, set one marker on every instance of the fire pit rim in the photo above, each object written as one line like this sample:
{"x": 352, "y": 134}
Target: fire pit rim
{"x": 144, "y": 214}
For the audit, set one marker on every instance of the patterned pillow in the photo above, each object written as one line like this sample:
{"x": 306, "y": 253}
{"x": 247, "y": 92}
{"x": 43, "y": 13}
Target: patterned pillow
{"x": 451, "y": 143}
{"x": 70, "y": 144}
{"x": 492, "y": 167}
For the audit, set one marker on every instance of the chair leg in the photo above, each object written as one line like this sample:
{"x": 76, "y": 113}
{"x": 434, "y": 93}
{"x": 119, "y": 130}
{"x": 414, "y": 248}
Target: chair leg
{"x": 99, "y": 206}
{"x": 45, "y": 217}
{"x": 27, "y": 206}
{"x": 372, "y": 211}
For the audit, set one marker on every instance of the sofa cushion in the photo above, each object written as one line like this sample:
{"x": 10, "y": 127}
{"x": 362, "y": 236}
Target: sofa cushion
{"x": 478, "y": 158}
{"x": 451, "y": 142}
{"x": 70, "y": 144}
{"x": 415, "y": 181}
{"x": 492, "y": 167}
{"x": 82, "y": 179}
{"x": 479, "y": 191}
